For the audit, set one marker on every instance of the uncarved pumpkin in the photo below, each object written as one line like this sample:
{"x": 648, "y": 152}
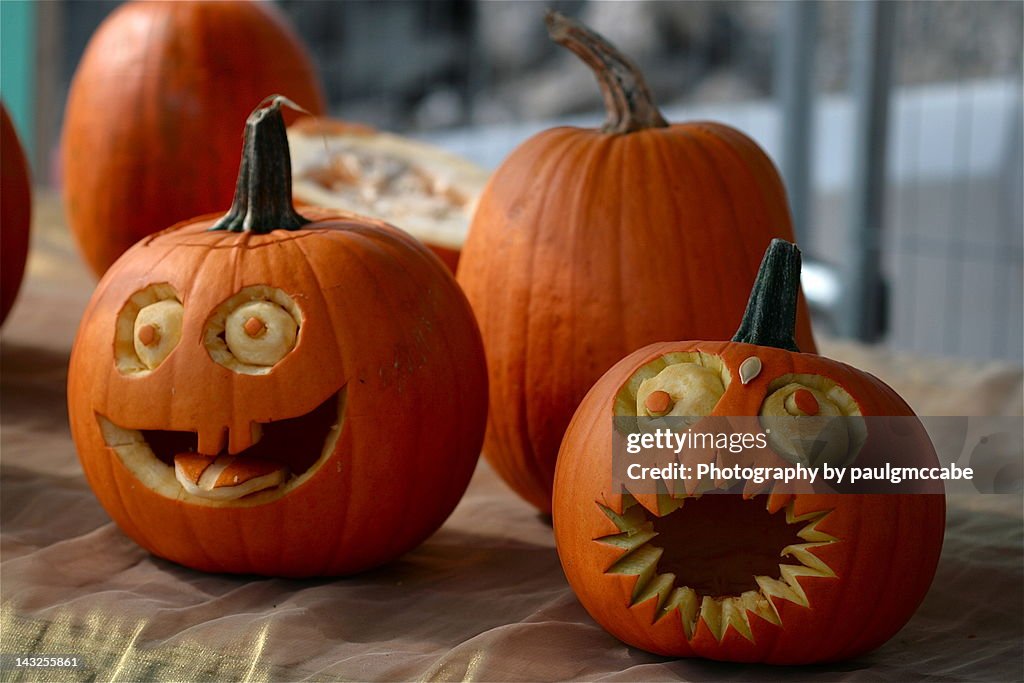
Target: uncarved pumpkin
{"x": 151, "y": 126}
{"x": 778, "y": 578}
{"x": 15, "y": 213}
{"x": 278, "y": 394}
{"x": 427, "y": 191}
{"x": 588, "y": 244}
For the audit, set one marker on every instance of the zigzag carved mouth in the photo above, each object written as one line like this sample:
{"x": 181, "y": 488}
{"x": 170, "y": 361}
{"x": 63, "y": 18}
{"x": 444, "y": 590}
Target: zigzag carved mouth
{"x": 717, "y": 557}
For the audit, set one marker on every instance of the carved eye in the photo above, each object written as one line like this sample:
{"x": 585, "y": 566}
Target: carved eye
{"x": 148, "y": 329}
{"x": 683, "y": 389}
{"x": 253, "y": 330}
{"x": 260, "y": 333}
{"x": 811, "y": 420}
{"x": 157, "y": 331}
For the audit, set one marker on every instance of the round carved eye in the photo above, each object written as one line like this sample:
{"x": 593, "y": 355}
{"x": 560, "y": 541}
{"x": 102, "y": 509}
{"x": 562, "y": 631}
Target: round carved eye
{"x": 811, "y": 420}
{"x": 157, "y": 331}
{"x": 681, "y": 389}
{"x": 148, "y": 328}
{"x": 260, "y": 333}
{"x": 253, "y": 330}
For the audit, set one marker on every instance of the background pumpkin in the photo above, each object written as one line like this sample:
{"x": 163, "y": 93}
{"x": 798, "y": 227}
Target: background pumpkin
{"x": 588, "y": 244}
{"x": 428, "y": 191}
{"x": 359, "y": 431}
{"x": 675, "y": 575}
{"x": 16, "y": 214}
{"x": 151, "y": 126}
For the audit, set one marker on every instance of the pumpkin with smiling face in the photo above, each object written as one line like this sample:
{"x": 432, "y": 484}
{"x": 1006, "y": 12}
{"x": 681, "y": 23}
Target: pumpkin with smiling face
{"x": 278, "y": 394}
{"x": 780, "y": 578}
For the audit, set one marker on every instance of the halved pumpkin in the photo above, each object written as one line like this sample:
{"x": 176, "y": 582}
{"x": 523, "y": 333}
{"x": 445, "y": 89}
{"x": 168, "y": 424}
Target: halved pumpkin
{"x": 427, "y": 191}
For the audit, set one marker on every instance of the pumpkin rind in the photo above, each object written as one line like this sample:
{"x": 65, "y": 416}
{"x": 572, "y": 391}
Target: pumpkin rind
{"x": 586, "y": 246}
{"x": 151, "y": 126}
{"x": 16, "y": 214}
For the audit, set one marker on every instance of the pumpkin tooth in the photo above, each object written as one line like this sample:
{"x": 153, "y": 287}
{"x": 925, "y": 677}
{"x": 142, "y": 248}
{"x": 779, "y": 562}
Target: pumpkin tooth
{"x": 630, "y": 540}
{"x": 711, "y": 613}
{"x": 802, "y": 552}
{"x": 632, "y": 517}
{"x": 668, "y": 504}
{"x": 734, "y": 613}
{"x": 684, "y": 599}
{"x": 661, "y": 587}
{"x": 780, "y": 589}
{"x": 790, "y": 574}
{"x": 642, "y": 562}
{"x": 756, "y": 602}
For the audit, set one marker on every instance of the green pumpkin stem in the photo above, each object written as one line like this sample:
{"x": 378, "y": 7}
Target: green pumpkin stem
{"x": 263, "y": 195}
{"x": 770, "y": 318}
{"x": 627, "y": 98}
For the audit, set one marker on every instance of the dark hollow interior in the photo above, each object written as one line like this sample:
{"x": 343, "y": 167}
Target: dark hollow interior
{"x": 296, "y": 442}
{"x": 718, "y": 543}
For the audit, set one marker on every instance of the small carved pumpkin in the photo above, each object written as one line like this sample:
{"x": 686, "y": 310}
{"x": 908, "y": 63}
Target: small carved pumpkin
{"x": 151, "y": 125}
{"x": 278, "y": 394}
{"x": 589, "y": 244}
{"x": 16, "y": 216}
{"x": 778, "y": 578}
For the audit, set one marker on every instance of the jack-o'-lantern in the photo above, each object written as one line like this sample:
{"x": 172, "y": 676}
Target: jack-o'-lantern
{"x": 777, "y": 577}
{"x": 589, "y": 244}
{"x": 276, "y": 393}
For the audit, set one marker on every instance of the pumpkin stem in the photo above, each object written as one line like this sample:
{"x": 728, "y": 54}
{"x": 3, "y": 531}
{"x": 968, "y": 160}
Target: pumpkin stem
{"x": 770, "y": 318}
{"x": 627, "y": 99}
{"x": 263, "y": 194}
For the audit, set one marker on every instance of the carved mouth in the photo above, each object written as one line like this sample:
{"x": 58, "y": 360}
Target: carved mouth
{"x": 717, "y": 557}
{"x": 285, "y": 453}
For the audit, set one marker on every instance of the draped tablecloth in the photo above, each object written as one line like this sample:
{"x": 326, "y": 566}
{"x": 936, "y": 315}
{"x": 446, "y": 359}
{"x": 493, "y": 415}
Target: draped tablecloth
{"x": 483, "y": 599}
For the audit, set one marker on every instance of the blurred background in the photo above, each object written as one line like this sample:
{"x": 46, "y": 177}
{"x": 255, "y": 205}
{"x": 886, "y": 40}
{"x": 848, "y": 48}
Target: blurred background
{"x": 897, "y": 125}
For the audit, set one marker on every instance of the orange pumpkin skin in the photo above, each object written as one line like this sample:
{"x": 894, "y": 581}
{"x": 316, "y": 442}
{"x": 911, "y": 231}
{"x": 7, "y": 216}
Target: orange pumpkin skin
{"x": 151, "y": 126}
{"x": 588, "y": 245}
{"x": 884, "y": 557}
{"x": 383, "y": 323}
{"x": 16, "y": 214}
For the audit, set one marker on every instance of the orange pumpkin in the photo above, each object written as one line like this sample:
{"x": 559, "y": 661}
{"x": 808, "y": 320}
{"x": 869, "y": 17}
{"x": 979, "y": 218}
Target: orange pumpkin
{"x": 151, "y": 126}
{"x": 780, "y": 577}
{"x": 278, "y": 394}
{"x": 16, "y": 214}
{"x": 588, "y": 244}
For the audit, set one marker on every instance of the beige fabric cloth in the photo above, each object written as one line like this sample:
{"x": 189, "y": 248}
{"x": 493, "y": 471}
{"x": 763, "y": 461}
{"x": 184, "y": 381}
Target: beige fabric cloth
{"x": 483, "y": 599}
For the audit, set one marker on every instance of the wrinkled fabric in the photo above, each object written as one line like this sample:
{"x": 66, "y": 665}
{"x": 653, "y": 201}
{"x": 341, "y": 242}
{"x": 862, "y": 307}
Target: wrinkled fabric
{"x": 483, "y": 599}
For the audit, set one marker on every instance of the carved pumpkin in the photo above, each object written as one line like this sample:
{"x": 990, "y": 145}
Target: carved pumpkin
{"x": 588, "y": 244}
{"x": 278, "y": 394}
{"x": 16, "y": 214}
{"x": 431, "y": 193}
{"x": 151, "y": 126}
{"x": 778, "y": 578}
